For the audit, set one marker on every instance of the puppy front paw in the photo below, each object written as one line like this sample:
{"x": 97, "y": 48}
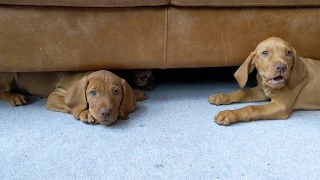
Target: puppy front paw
{"x": 86, "y": 117}
{"x": 140, "y": 95}
{"x": 122, "y": 116}
{"x": 148, "y": 87}
{"x": 219, "y": 99}
{"x": 226, "y": 117}
{"x": 17, "y": 100}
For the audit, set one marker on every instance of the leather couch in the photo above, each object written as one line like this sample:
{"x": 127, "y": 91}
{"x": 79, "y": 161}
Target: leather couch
{"x": 67, "y": 35}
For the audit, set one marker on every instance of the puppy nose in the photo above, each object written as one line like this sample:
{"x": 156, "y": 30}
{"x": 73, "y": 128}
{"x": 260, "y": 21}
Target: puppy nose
{"x": 280, "y": 68}
{"x": 105, "y": 112}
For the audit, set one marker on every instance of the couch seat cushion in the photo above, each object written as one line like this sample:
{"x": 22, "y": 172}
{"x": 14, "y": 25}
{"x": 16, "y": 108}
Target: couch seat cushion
{"x": 87, "y": 3}
{"x": 245, "y": 3}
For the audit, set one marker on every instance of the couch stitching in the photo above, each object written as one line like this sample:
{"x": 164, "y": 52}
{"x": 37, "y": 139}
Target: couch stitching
{"x": 165, "y": 53}
{"x": 55, "y": 3}
{"x": 153, "y": 4}
{"x": 242, "y": 3}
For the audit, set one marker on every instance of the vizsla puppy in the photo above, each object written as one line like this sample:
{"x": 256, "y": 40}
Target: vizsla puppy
{"x": 290, "y": 81}
{"x": 93, "y": 97}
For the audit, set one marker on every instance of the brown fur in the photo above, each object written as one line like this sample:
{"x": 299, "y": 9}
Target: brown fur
{"x": 72, "y": 92}
{"x": 298, "y": 90}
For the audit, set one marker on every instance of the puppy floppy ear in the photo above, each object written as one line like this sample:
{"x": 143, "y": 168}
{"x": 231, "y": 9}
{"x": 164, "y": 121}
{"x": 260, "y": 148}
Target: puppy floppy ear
{"x": 76, "y": 97}
{"x": 298, "y": 71}
{"x": 128, "y": 103}
{"x": 294, "y": 55}
{"x": 244, "y": 70}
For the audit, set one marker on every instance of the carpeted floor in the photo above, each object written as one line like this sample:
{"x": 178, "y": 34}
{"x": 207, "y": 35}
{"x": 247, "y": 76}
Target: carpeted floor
{"x": 172, "y": 135}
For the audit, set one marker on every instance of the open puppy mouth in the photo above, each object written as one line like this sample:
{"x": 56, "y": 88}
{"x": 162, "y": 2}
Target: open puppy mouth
{"x": 143, "y": 78}
{"x": 277, "y": 80}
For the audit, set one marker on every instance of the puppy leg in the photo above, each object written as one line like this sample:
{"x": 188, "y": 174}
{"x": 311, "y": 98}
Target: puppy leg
{"x": 122, "y": 115}
{"x": 13, "y": 98}
{"x": 7, "y": 81}
{"x": 86, "y": 117}
{"x": 55, "y": 101}
{"x": 273, "y": 110}
{"x": 251, "y": 95}
{"x": 140, "y": 95}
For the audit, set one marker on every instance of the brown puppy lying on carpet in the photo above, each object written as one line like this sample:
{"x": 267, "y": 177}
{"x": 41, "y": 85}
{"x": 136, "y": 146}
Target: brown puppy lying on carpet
{"x": 290, "y": 81}
{"x": 93, "y": 97}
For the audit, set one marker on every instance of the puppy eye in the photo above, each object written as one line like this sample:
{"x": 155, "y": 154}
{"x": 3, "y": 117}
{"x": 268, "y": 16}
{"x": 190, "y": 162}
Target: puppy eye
{"x": 93, "y": 93}
{"x": 288, "y": 53}
{"x": 265, "y": 53}
{"x": 116, "y": 92}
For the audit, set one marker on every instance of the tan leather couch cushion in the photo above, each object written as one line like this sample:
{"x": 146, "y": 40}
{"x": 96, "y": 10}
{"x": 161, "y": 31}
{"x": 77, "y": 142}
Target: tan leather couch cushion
{"x": 87, "y": 3}
{"x": 61, "y": 39}
{"x": 205, "y": 37}
{"x": 245, "y": 3}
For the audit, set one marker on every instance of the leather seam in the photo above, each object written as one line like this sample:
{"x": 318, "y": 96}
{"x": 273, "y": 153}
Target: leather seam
{"x": 55, "y": 3}
{"x": 235, "y": 3}
{"x": 165, "y": 56}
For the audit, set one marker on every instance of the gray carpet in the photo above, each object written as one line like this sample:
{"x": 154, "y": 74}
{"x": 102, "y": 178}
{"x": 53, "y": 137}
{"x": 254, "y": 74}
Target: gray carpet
{"x": 172, "y": 135}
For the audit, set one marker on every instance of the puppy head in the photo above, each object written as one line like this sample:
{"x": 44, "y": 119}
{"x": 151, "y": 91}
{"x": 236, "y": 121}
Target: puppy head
{"x": 273, "y": 58}
{"x": 140, "y": 77}
{"x": 104, "y": 94}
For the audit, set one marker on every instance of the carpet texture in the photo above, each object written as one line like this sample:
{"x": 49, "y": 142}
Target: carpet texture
{"x": 171, "y": 135}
